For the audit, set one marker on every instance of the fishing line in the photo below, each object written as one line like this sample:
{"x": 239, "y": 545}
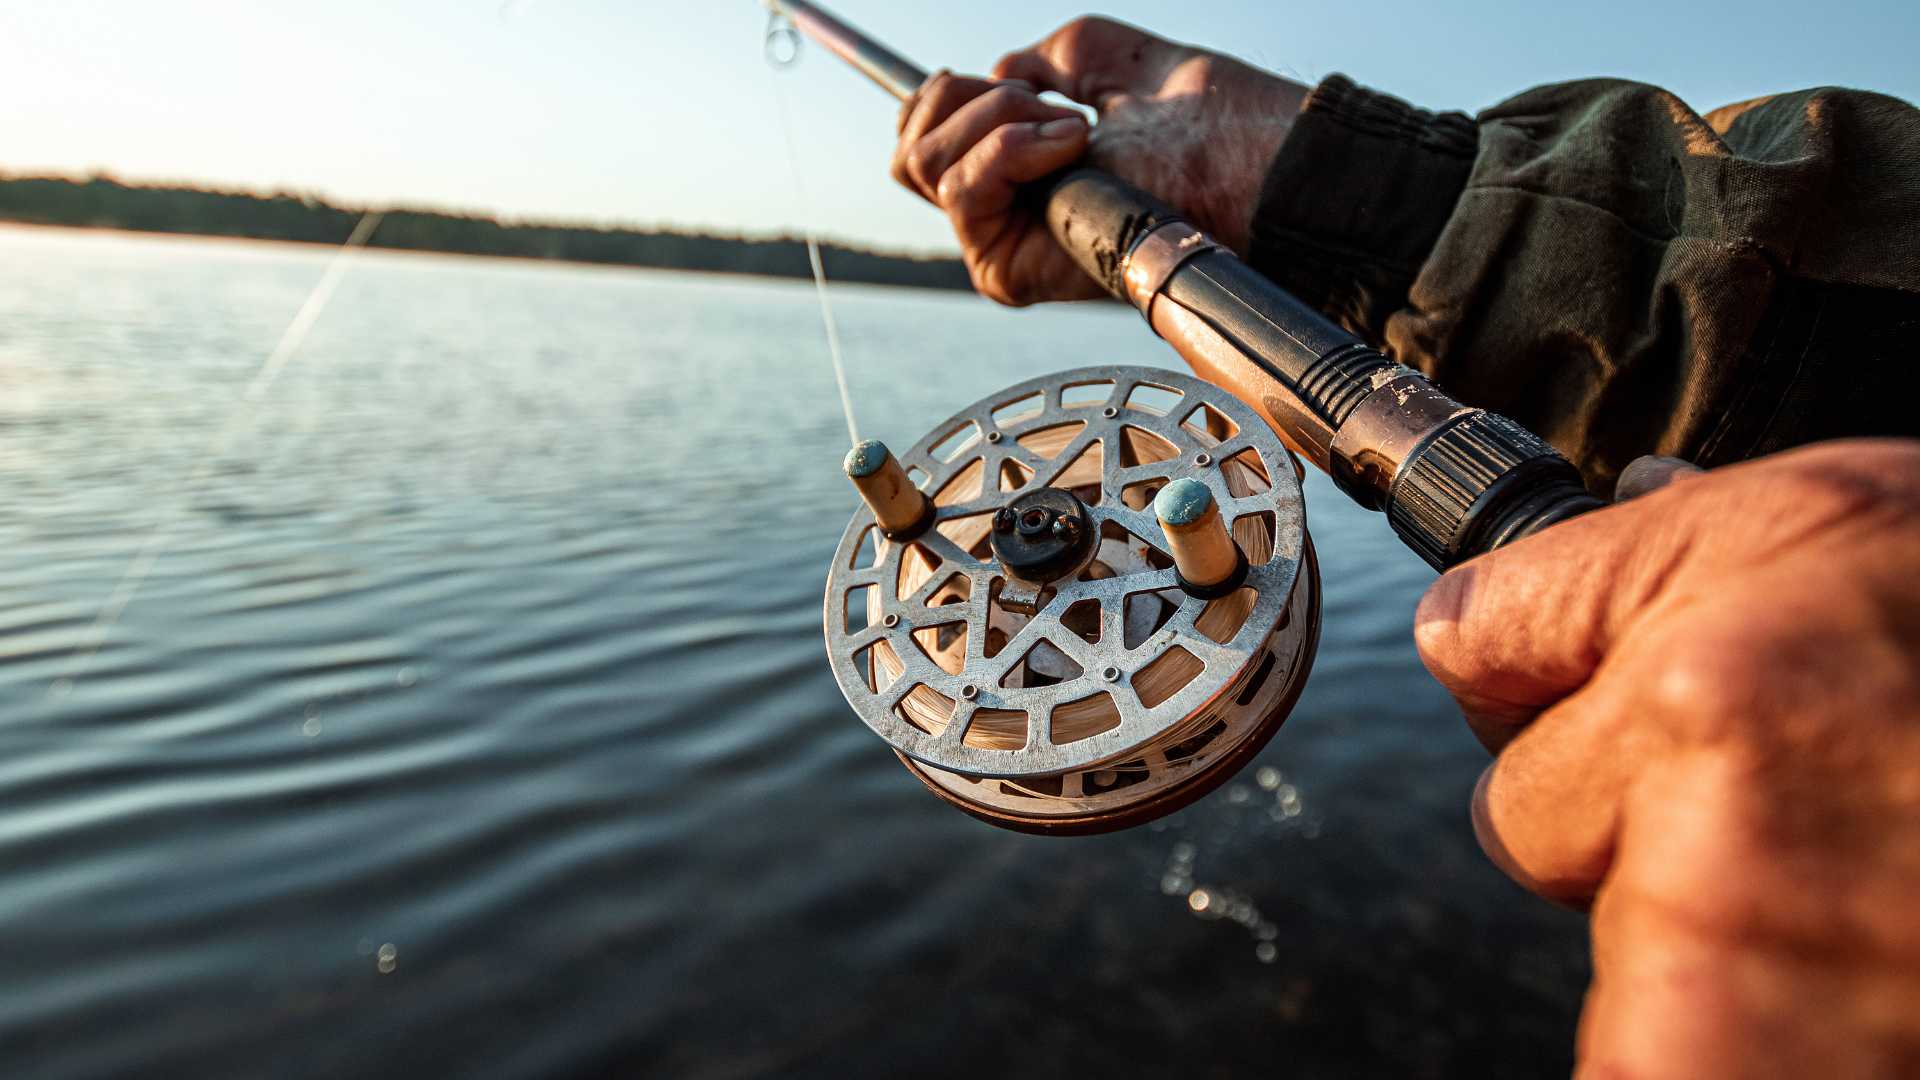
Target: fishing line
{"x": 150, "y": 550}
{"x": 780, "y": 35}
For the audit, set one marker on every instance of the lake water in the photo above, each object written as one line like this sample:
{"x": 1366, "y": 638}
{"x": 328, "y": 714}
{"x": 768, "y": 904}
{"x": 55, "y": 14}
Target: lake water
{"x": 472, "y": 715}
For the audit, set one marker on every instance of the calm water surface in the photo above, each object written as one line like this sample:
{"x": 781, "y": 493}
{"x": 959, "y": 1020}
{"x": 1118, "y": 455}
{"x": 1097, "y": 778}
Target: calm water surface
{"x": 473, "y": 717}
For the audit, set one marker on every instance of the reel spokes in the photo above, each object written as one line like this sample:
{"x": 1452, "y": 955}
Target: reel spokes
{"x": 1018, "y": 616}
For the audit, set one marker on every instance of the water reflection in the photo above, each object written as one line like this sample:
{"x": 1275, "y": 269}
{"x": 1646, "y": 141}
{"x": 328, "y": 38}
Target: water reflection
{"x": 430, "y": 747}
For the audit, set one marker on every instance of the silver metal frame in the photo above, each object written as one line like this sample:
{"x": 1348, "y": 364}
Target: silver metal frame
{"x": 977, "y": 685}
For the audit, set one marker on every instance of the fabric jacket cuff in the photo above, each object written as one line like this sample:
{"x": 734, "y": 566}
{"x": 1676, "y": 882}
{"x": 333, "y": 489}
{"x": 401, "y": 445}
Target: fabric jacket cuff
{"x": 1356, "y": 197}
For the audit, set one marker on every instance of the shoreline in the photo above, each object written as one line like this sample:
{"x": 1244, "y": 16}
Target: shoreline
{"x": 317, "y": 248}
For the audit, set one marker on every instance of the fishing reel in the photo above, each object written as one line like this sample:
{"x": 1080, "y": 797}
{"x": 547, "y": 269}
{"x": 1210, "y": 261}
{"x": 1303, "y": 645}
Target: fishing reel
{"x": 1079, "y": 604}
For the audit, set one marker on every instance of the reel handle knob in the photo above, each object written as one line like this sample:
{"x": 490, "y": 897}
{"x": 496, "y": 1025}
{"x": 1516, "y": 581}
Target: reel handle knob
{"x": 1203, "y": 551}
{"x": 903, "y": 511}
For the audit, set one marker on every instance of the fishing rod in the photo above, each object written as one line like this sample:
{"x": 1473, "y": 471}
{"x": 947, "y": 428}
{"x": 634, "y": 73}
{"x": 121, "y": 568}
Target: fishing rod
{"x": 1086, "y": 600}
{"x": 1454, "y": 481}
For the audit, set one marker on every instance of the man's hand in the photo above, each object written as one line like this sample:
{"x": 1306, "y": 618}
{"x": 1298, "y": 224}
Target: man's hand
{"x": 1192, "y": 127}
{"x": 1706, "y": 705}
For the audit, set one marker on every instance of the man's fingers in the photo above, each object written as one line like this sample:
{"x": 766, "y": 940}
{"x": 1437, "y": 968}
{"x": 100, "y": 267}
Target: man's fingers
{"x": 978, "y": 192}
{"x": 936, "y": 100}
{"x": 1546, "y": 809}
{"x": 928, "y": 159}
{"x": 1089, "y": 59}
{"x": 1644, "y": 475}
{"x": 981, "y": 186}
{"x": 1514, "y": 631}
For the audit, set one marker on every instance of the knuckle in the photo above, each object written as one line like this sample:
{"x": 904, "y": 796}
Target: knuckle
{"x": 984, "y": 281}
{"x": 1437, "y": 632}
{"x": 1011, "y": 292}
{"x": 1004, "y": 99}
{"x": 1203, "y": 68}
{"x": 1712, "y": 687}
{"x": 916, "y": 164}
{"x": 1076, "y": 37}
{"x": 952, "y": 190}
{"x": 1704, "y": 692}
{"x": 1078, "y": 30}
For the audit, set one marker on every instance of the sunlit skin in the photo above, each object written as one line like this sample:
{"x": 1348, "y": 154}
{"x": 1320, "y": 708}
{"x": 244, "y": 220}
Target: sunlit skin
{"x": 1706, "y": 708}
{"x": 1704, "y": 702}
{"x": 1195, "y": 128}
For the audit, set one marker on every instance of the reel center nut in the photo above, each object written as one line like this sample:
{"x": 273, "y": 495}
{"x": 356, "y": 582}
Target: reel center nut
{"x": 1042, "y": 536}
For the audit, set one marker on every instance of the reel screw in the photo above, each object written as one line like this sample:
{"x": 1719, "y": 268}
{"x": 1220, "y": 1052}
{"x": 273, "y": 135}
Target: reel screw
{"x": 1203, "y": 459}
{"x": 969, "y": 691}
{"x": 1067, "y": 528}
{"x": 1110, "y": 412}
{"x": 1110, "y": 674}
{"x": 993, "y": 436}
{"x": 1003, "y": 521}
{"x": 890, "y": 621}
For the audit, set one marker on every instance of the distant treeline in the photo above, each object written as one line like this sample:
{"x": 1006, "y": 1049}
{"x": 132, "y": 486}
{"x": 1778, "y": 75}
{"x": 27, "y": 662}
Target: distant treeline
{"x": 102, "y": 202}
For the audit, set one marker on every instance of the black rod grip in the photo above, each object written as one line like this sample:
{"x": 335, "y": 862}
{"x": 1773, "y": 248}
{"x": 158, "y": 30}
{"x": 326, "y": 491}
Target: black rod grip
{"x": 1472, "y": 482}
{"x": 1097, "y": 218}
{"x": 1479, "y": 483}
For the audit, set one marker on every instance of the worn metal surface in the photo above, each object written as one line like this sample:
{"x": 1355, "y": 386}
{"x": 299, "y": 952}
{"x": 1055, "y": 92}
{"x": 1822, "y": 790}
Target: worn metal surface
{"x": 1159, "y": 785}
{"x": 1154, "y": 259}
{"x": 978, "y": 684}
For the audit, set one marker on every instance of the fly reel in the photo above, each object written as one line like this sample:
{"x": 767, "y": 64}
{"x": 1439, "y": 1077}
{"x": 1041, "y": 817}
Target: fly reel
{"x": 1079, "y": 604}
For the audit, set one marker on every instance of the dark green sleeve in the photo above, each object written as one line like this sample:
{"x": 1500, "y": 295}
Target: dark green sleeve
{"x": 1614, "y": 270}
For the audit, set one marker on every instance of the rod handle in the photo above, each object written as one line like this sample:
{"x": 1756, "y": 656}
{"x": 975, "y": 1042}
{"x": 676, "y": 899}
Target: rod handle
{"x": 1455, "y": 482}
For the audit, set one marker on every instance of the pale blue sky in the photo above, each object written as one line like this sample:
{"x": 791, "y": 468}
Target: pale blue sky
{"x": 654, "y": 112}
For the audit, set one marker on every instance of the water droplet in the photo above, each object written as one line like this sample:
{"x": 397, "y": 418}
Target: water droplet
{"x": 406, "y": 677}
{"x": 313, "y": 710}
{"x": 1267, "y": 777}
{"x": 1175, "y": 884}
{"x": 1266, "y": 931}
{"x": 364, "y": 947}
{"x": 1199, "y": 900}
{"x": 311, "y": 727}
{"x": 60, "y": 688}
{"x": 387, "y": 958}
{"x": 1183, "y": 852}
{"x": 1265, "y": 952}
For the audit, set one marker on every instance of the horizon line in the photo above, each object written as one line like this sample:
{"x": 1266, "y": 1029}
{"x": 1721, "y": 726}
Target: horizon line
{"x": 317, "y": 196}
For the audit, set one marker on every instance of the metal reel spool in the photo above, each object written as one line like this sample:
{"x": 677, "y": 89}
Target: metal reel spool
{"x": 1117, "y": 692}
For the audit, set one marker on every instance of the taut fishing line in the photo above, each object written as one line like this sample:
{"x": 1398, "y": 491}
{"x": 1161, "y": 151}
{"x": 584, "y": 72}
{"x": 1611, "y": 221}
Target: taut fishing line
{"x": 1077, "y": 604}
{"x": 781, "y": 35}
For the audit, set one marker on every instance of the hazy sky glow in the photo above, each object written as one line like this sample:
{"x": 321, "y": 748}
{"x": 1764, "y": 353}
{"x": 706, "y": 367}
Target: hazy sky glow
{"x": 653, "y": 112}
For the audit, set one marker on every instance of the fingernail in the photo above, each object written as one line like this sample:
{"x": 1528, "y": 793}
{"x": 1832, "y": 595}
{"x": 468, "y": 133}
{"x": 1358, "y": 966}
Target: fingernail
{"x": 1065, "y": 127}
{"x": 1645, "y": 475}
